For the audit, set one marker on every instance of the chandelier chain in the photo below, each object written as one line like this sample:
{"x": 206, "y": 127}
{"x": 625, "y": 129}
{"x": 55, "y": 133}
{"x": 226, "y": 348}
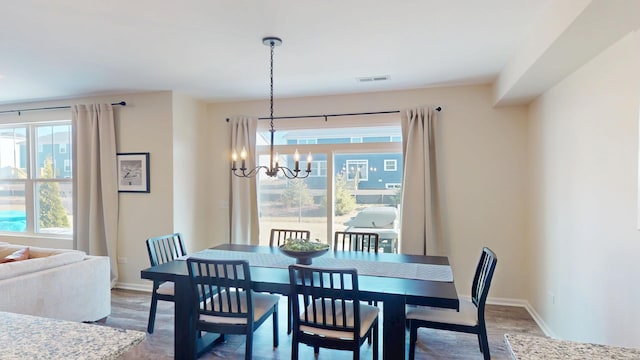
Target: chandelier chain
{"x": 271, "y": 81}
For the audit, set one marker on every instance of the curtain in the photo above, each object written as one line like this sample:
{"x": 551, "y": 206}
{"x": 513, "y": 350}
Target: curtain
{"x": 243, "y": 205}
{"x": 95, "y": 200}
{"x": 420, "y": 220}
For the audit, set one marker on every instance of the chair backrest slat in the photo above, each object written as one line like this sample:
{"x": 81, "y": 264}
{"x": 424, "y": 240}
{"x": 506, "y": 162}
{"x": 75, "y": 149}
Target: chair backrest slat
{"x": 356, "y": 241}
{"x": 279, "y": 236}
{"x": 162, "y": 249}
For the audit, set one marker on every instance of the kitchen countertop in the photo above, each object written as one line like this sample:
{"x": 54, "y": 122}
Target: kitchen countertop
{"x": 32, "y": 337}
{"x": 528, "y": 347}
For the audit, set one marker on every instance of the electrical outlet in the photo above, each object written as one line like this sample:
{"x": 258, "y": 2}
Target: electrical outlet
{"x": 552, "y": 297}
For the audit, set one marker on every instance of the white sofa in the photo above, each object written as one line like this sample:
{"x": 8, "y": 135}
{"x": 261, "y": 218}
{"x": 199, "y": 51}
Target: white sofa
{"x": 55, "y": 283}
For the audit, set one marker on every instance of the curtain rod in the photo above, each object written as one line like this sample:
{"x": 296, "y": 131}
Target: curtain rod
{"x": 325, "y": 116}
{"x": 121, "y": 103}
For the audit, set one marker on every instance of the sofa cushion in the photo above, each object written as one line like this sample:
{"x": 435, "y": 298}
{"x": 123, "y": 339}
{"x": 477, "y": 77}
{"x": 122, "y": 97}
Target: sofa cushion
{"x": 18, "y": 255}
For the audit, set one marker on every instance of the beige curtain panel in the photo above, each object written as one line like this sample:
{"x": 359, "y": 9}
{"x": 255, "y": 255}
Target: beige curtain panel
{"x": 243, "y": 205}
{"x": 420, "y": 220}
{"x": 95, "y": 179}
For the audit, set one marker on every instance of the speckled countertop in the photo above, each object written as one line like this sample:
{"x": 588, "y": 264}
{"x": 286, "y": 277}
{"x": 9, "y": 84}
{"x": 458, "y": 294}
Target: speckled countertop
{"x": 527, "y": 347}
{"x": 31, "y": 337}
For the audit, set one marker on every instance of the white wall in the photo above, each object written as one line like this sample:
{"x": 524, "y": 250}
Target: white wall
{"x": 190, "y": 157}
{"x": 584, "y": 239}
{"x": 483, "y": 171}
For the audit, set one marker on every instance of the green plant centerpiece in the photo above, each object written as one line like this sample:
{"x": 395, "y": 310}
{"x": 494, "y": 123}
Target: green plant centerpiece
{"x": 303, "y": 250}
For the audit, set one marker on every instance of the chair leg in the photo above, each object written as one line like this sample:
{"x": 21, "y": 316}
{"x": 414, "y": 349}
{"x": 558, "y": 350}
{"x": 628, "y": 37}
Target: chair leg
{"x": 374, "y": 303}
{"x": 274, "y": 319}
{"x": 413, "y": 337}
{"x": 289, "y": 315}
{"x": 248, "y": 345}
{"x": 375, "y": 340}
{"x": 152, "y": 311}
{"x": 485, "y": 342}
{"x": 294, "y": 348}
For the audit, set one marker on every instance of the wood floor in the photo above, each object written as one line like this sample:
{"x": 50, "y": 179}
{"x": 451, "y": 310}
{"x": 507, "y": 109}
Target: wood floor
{"x": 130, "y": 310}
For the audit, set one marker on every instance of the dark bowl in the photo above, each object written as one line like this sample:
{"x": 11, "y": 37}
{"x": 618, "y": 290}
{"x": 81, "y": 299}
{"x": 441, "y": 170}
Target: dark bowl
{"x": 303, "y": 257}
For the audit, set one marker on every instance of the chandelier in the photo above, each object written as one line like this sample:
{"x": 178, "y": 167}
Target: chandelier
{"x": 274, "y": 167}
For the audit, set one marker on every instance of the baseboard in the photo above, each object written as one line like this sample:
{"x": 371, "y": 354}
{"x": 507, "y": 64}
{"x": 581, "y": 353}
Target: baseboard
{"x": 538, "y": 319}
{"x": 520, "y": 303}
{"x": 135, "y": 287}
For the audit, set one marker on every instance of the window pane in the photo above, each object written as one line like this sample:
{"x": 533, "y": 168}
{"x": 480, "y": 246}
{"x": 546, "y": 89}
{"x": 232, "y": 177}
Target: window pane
{"x": 366, "y": 198}
{"x": 13, "y": 153}
{"x": 53, "y": 142}
{"x": 54, "y": 207}
{"x": 13, "y": 216}
{"x": 298, "y": 204}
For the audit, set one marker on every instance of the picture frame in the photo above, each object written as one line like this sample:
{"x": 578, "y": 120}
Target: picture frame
{"x": 133, "y": 172}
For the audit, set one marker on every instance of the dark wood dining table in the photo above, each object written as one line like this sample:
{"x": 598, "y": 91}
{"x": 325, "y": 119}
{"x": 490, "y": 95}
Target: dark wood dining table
{"x": 393, "y": 292}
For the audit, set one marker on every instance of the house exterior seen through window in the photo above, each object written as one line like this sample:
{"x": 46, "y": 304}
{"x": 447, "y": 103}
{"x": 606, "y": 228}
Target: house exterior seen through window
{"x": 36, "y": 193}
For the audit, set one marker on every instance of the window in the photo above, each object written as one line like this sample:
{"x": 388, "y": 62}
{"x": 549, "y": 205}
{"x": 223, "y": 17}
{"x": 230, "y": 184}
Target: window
{"x": 357, "y": 170}
{"x": 318, "y": 168}
{"x": 390, "y": 165}
{"x": 62, "y": 148}
{"x": 346, "y": 151}
{"x": 307, "y": 141}
{"x": 35, "y": 181}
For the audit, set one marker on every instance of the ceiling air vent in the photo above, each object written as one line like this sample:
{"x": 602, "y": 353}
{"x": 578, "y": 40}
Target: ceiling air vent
{"x": 373, "y": 78}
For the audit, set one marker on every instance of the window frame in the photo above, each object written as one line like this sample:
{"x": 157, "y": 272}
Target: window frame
{"x": 390, "y": 161}
{"x": 330, "y": 150}
{"x": 351, "y": 165}
{"x": 34, "y": 178}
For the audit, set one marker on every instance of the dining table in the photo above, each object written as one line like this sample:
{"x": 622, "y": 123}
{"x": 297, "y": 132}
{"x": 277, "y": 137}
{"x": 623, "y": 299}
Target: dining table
{"x": 395, "y": 280}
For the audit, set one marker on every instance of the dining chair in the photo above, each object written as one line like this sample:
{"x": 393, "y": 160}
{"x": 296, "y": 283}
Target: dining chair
{"x": 162, "y": 249}
{"x": 469, "y": 318}
{"x": 279, "y": 236}
{"x": 328, "y": 312}
{"x": 225, "y": 303}
{"x": 355, "y": 241}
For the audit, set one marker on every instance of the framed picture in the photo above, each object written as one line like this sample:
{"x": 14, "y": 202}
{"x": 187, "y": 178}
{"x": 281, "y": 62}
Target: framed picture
{"x": 133, "y": 172}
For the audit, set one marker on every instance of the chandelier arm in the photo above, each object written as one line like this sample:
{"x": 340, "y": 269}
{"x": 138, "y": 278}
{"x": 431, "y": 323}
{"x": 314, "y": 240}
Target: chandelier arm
{"x": 248, "y": 174}
{"x": 293, "y": 174}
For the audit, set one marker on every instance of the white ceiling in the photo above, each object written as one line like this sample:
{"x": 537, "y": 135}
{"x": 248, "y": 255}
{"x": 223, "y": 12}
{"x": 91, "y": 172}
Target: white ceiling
{"x": 212, "y": 50}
